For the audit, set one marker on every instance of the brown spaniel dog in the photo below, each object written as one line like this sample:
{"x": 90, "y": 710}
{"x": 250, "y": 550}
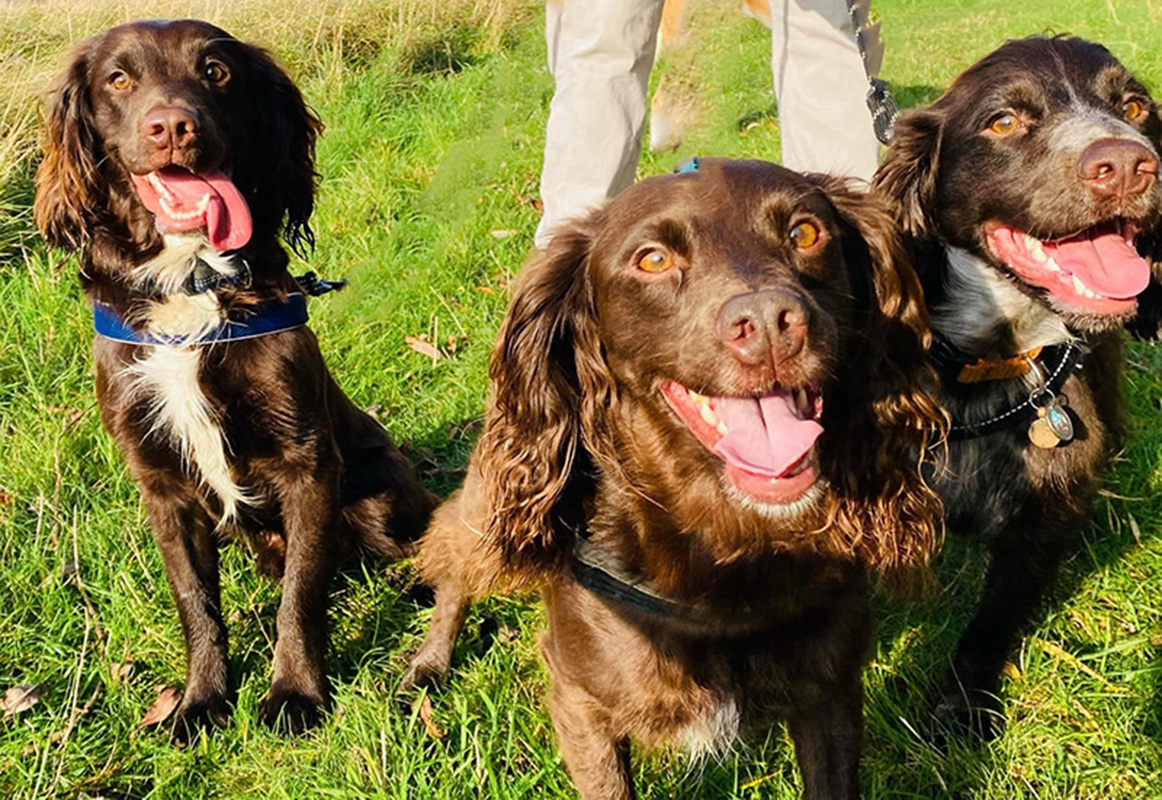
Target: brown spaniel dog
{"x": 175, "y": 156}
{"x": 709, "y": 401}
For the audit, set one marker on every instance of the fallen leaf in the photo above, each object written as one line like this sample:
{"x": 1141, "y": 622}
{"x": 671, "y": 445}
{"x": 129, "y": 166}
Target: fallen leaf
{"x": 166, "y": 702}
{"x": 1134, "y": 529}
{"x": 6, "y": 498}
{"x": 19, "y": 699}
{"x": 430, "y": 727}
{"x": 485, "y": 290}
{"x": 1012, "y": 670}
{"x": 423, "y": 348}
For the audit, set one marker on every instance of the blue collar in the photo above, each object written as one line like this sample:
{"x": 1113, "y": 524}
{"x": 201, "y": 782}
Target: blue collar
{"x": 273, "y": 317}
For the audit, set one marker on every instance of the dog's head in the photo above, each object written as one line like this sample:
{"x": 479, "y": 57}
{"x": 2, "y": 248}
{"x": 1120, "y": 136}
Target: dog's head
{"x": 743, "y": 345}
{"x": 1038, "y": 160}
{"x": 179, "y": 118}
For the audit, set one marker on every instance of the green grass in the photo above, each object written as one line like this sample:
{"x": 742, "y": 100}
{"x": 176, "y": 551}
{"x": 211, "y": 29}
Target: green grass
{"x": 425, "y": 207}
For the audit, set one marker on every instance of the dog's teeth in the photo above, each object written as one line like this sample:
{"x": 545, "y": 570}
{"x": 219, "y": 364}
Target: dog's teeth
{"x": 1078, "y": 286}
{"x": 1038, "y": 252}
{"x": 1050, "y": 264}
{"x": 722, "y": 429}
{"x": 695, "y": 398}
{"x": 708, "y": 415}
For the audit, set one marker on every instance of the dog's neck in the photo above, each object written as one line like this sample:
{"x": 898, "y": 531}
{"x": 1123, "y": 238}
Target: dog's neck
{"x": 985, "y": 315}
{"x": 169, "y": 271}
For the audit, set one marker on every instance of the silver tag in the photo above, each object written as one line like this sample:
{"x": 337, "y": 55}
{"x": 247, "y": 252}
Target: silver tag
{"x": 1058, "y": 420}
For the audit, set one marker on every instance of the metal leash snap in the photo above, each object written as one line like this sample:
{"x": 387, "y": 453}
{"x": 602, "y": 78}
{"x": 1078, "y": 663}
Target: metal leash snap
{"x": 1053, "y": 424}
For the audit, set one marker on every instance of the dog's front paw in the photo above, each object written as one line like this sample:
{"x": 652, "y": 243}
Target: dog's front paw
{"x": 196, "y": 715}
{"x": 289, "y": 710}
{"x": 426, "y": 671}
{"x": 965, "y": 712}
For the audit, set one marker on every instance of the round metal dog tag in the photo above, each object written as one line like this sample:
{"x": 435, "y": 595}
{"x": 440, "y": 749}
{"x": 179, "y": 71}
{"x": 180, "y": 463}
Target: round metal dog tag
{"x": 1042, "y": 435}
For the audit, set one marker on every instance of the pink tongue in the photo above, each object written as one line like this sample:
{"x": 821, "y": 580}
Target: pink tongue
{"x": 766, "y": 438}
{"x": 183, "y": 201}
{"x": 1105, "y": 262}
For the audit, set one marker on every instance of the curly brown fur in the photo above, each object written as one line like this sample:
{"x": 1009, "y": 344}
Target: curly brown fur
{"x": 251, "y": 437}
{"x": 585, "y": 440}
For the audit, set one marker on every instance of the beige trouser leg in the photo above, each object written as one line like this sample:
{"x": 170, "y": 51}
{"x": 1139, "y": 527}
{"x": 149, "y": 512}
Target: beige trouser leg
{"x": 600, "y": 56}
{"x": 821, "y": 87}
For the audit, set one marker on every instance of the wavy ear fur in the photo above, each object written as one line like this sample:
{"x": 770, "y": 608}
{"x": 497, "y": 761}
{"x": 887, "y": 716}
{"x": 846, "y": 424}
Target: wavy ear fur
{"x": 67, "y": 186}
{"x": 281, "y": 164}
{"x": 907, "y": 177}
{"x": 550, "y": 388}
{"x": 886, "y": 510}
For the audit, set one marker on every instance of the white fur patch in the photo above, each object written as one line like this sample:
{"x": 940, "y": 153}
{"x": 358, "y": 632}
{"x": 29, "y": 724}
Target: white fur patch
{"x": 168, "y": 375}
{"x": 713, "y": 733}
{"x": 169, "y": 270}
{"x": 984, "y": 303}
{"x": 777, "y": 511}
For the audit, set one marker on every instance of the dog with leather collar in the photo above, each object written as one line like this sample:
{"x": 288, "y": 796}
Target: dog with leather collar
{"x": 1045, "y": 135}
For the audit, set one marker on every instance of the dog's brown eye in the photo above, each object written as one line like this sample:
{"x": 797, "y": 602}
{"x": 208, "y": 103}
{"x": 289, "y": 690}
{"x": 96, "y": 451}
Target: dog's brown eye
{"x": 216, "y": 72}
{"x": 120, "y": 81}
{"x": 1133, "y": 109}
{"x": 804, "y": 235}
{"x": 1005, "y": 124}
{"x": 655, "y": 261}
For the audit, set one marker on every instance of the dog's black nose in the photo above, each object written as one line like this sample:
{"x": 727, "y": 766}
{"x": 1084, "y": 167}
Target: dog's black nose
{"x": 763, "y": 327}
{"x": 1118, "y": 168}
{"x": 169, "y": 127}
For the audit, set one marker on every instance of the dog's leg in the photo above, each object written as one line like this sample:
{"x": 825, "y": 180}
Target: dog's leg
{"x": 454, "y": 560}
{"x": 1024, "y": 560}
{"x": 187, "y": 544}
{"x": 430, "y": 664}
{"x": 310, "y": 511}
{"x": 597, "y": 759}
{"x": 827, "y": 742}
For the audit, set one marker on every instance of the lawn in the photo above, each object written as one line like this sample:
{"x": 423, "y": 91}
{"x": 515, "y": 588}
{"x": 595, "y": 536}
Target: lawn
{"x": 434, "y": 131}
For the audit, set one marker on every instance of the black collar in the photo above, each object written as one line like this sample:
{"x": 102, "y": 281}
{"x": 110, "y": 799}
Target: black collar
{"x": 600, "y": 573}
{"x": 1055, "y": 362}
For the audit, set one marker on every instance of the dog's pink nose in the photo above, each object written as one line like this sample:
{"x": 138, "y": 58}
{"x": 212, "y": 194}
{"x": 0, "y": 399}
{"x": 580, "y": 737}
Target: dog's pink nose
{"x": 169, "y": 127}
{"x": 763, "y": 327}
{"x": 1118, "y": 168}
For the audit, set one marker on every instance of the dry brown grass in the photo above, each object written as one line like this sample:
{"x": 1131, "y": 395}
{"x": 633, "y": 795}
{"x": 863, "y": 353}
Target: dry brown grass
{"x": 326, "y": 37}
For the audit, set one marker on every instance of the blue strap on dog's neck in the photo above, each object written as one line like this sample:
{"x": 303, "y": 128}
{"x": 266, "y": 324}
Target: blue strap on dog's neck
{"x": 272, "y": 317}
{"x": 269, "y": 318}
{"x": 687, "y": 165}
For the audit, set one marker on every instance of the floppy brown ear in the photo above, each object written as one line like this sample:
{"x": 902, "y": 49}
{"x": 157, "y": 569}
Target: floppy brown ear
{"x": 907, "y": 176}
{"x": 67, "y": 187}
{"x": 549, "y": 387}
{"x": 279, "y": 172}
{"x": 889, "y": 514}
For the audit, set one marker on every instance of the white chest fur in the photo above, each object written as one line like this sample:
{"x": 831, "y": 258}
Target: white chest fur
{"x": 167, "y": 377}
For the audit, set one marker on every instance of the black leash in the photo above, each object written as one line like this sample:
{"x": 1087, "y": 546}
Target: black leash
{"x": 880, "y": 102}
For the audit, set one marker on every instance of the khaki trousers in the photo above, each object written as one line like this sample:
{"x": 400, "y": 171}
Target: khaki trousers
{"x": 601, "y": 53}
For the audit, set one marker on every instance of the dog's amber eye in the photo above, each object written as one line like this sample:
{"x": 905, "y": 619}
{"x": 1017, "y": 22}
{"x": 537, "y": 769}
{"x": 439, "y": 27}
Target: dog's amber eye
{"x": 656, "y": 260}
{"x": 804, "y": 235}
{"x": 1005, "y": 124}
{"x": 1133, "y": 109}
{"x": 120, "y": 81}
{"x": 216, "y": 72}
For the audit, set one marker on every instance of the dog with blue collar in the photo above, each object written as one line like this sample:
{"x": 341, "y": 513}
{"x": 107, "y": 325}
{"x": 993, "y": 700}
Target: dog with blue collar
{"x": 174, "y": 182}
